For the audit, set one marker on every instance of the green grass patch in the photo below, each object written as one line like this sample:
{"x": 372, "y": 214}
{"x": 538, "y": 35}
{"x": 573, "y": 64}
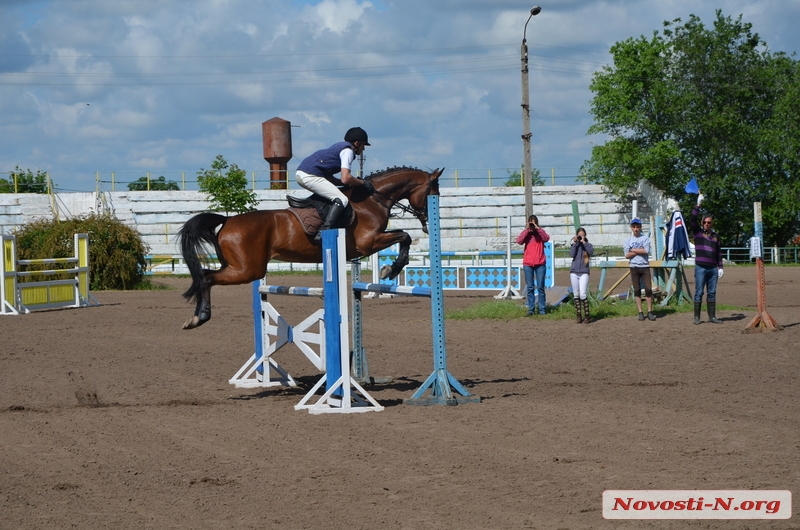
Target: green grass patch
{"x": 512, "y": 309}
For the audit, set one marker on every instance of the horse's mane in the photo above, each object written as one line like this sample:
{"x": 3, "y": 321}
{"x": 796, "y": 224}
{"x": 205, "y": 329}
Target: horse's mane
{"x": 387, "y": 171}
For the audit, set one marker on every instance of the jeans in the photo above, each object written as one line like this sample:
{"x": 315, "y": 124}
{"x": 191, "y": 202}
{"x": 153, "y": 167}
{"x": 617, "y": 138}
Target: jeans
{"x": 534, "y": 280}
{"x": 705, "y": 277}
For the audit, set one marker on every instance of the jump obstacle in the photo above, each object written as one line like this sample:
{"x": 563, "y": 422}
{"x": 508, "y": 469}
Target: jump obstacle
{"x": 17, "y": 297}
{"x": 331, "y": 338}
{"x": 343, "y": 392}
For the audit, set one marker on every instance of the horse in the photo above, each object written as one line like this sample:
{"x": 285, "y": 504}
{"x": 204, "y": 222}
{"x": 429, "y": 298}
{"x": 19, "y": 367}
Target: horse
{"x": 245, "y": 243}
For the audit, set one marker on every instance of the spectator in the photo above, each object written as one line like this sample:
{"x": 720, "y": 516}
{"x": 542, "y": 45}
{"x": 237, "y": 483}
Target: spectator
{"x": 581, "y": 252}
{"x": 707, "y": 263}
{"x": 637, "y": 249}
{"x": 534, "y": 263}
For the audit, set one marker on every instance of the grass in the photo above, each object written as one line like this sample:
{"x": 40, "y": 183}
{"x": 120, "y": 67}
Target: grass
{"x": 512, "y": 309}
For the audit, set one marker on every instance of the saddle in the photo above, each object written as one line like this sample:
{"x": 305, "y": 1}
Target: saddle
{"x": 312, "y": 210}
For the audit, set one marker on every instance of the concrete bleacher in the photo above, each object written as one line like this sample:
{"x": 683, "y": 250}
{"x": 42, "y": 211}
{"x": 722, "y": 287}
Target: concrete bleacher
{"x": 473, "y": 218}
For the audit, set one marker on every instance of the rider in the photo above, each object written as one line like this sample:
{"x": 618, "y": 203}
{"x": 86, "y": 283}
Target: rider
{"x": 316, "y": 174}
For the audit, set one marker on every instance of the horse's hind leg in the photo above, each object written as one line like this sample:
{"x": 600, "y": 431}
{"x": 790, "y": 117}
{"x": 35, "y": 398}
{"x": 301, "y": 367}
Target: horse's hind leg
{"x": 202, "y": 310}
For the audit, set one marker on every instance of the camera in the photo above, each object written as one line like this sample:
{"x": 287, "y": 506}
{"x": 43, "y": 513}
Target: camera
{"x": 580, "y": 238}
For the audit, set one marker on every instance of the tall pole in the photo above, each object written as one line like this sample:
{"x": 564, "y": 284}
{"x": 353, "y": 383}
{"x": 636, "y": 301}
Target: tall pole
{"x": 526, "y": 119}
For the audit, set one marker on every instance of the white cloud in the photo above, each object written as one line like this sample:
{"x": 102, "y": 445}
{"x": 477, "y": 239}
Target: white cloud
{"x": 435, "y": 84}
{"x": 334, "y": 15}
{"x": 316, "y": 118}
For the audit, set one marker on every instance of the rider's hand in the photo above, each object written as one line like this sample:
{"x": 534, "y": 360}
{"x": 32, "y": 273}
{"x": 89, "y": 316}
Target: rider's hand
{"x": 720, "y": 272}
{"x": 700, "y": 199}
{"x": 369, "y": 186}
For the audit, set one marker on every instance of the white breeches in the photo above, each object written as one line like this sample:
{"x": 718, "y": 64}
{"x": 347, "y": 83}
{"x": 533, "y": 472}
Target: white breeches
{"x": 580, "y": 285}
{"x": 320, "y": 186}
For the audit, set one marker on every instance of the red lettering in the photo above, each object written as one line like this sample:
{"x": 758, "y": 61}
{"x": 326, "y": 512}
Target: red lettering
{"x": 619, "y": 502}
{"x": 747, "y": 505}
{"x": 653, "y": 505}
{"x": 639, "y": 505}
{"x": 773, "y": 506}
{"x": 667, "y": 505}
{"x": 699, "y": 504}
{"x": 680, "y": 505}
{"x": 720, "y": 503}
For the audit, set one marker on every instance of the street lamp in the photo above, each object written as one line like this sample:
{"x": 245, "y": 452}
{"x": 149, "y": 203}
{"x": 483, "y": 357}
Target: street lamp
{"x": 526, "y": 119}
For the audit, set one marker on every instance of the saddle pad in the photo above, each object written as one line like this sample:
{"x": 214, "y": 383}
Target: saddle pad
{"x": 311, "y": 221}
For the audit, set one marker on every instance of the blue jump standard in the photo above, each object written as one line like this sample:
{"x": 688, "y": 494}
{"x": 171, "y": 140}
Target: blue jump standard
{"x": 438, "y": 387}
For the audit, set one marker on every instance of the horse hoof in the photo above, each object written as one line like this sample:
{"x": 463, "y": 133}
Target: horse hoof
{"x": 193, "y": 322}
{"x": 386, "y": 272}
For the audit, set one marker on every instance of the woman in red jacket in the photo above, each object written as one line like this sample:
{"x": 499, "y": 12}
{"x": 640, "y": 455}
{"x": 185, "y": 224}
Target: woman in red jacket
{"x": 534, "y": 263}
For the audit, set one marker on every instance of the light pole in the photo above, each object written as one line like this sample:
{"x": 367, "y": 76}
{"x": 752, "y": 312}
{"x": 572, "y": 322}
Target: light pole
{"x": 526, "y": 119}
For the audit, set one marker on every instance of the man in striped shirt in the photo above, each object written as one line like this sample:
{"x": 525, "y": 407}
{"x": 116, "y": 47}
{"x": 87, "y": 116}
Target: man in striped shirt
{"x": 708, "y": 262}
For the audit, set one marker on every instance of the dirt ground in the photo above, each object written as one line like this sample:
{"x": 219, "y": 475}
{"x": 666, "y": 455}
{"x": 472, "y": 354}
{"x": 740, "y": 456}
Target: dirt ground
{"x": 113, "y": 417}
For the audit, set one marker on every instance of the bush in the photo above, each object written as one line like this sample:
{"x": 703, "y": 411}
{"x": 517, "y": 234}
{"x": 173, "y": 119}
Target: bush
{"x": 116, "y": 251}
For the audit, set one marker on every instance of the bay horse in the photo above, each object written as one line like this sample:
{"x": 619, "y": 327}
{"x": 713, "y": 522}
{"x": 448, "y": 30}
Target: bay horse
{"x": 245, "y": 243}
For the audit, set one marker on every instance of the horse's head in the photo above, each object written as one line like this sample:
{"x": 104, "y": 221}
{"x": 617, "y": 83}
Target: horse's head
{"x": 411, "y": 184}
{"x": 427, "y": 184}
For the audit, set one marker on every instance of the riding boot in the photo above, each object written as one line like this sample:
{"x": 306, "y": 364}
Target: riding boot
{"x": 336, "y": 210}
{"x": 697, "y": 307}
{"x": 712, "y": 313}
{"x": 578, "y": 307}
{"x": 586, "y": 318}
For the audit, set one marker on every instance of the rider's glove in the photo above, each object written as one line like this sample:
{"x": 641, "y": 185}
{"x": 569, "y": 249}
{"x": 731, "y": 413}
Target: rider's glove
{"x": 369, "y": 186}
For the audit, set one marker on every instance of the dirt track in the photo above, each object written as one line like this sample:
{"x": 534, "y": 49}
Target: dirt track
{"x": 112, "y": 417}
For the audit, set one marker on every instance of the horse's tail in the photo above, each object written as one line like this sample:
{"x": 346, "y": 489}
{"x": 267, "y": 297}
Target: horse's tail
{"x": 194, "y": 233}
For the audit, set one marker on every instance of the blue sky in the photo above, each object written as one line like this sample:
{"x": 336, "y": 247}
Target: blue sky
{"x": 137, "y": 86}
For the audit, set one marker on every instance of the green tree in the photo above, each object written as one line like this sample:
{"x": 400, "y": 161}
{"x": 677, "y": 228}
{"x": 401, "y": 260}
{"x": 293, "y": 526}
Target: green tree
{"x": 116, "y": 251}
{"x": 515, "y": 178}
{"x": 227, "y": 192}
{"x": 710, "y": 103}
{"x": 159, "y": 184}
{"x": 26, "y": 181}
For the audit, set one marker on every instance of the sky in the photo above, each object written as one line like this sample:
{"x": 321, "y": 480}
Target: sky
{"x": 91, "y": 87}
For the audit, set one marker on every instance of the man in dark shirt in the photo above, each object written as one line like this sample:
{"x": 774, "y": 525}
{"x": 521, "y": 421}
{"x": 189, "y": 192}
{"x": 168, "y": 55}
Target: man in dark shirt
{"x": 708, "y": 262}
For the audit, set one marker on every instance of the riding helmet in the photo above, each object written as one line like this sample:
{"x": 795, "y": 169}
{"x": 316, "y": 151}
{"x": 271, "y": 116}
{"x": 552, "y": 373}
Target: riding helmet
{"x": 356, "y": 133}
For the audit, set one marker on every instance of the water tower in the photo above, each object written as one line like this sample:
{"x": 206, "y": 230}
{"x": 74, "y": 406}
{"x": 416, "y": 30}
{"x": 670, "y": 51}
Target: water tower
{"x": 277, "y": 136}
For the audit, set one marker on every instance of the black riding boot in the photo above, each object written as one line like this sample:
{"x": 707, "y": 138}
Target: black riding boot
{"x": 578, "y": 309}
{"x": 697, "y": 307}
{"x": 586, "y": 318}
{"x": 336, "y": 210}
{"x": 712, "y": 313}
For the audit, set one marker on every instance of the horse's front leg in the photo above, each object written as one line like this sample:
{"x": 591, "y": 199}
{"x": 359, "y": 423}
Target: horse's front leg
{"x": 386, "y": 240}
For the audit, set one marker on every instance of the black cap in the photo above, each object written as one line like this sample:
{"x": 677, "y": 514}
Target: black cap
{"x": 356, "y": 133}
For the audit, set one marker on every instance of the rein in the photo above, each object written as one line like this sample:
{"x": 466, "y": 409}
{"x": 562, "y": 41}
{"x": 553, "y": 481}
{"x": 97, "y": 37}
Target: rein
{"x": 421, "y": 215}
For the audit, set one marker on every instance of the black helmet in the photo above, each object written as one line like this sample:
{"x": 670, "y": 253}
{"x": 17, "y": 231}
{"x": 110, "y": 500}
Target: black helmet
{"x": 356, "y": 133}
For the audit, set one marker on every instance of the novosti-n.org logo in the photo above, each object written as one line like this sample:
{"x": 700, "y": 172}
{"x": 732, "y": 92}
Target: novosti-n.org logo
{"x": 697, "y": 504}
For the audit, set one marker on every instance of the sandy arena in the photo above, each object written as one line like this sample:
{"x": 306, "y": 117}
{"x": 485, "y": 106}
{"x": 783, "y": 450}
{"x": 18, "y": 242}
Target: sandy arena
{"x": 113, "y": 417}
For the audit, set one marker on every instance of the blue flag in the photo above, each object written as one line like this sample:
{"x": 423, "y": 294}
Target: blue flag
{"x": 692, "y": 187}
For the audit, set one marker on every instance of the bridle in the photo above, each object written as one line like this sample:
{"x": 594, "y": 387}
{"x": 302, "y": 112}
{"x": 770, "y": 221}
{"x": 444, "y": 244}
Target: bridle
{"x": 421, "y": 215}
